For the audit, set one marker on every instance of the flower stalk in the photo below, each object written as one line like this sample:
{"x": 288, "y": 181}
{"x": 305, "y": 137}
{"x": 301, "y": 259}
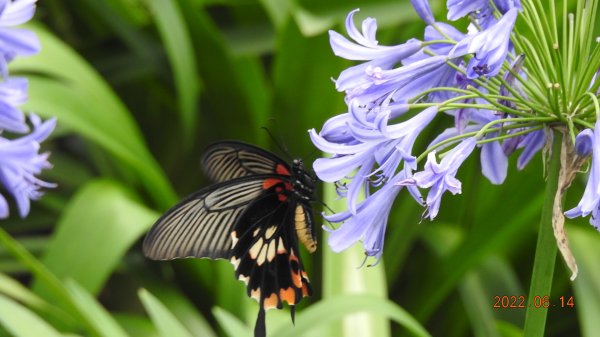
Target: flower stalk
{"x": 546, "y": 248}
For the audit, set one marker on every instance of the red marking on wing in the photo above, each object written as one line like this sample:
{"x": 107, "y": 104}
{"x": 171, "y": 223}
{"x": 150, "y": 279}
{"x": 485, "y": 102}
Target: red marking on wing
{"x": 270, "y": 182}
{"x": 280, "y": 169}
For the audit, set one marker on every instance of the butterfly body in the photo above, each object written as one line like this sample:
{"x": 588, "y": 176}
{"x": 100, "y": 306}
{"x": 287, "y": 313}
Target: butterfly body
{"x": 255, "y": 215}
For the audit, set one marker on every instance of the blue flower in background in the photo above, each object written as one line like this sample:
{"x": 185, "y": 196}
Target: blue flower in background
{"x": 16, "y": 42}
{"x": 13, "y": 92}
{"x": 20, "y": 160}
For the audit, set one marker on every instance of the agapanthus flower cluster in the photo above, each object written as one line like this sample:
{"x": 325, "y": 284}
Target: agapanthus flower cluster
{"x": 20, "y": 160}
{"x": 485, "y": 81}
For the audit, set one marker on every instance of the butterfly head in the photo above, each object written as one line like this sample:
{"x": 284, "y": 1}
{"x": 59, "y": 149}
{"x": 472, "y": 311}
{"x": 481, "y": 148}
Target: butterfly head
{"x": 303, "y": 181}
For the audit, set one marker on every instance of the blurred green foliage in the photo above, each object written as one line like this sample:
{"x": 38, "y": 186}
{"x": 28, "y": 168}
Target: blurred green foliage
{"x": 141, "y": 86}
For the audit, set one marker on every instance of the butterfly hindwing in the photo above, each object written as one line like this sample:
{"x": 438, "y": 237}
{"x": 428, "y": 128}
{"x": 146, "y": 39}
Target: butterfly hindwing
{"x": 265, "y": 253}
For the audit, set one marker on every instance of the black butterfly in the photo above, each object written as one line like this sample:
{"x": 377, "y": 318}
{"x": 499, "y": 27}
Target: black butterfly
{"x": 254, "y": 215}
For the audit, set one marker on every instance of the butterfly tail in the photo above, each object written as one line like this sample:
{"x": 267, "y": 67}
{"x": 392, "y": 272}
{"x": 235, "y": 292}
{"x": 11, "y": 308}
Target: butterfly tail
{"x": 260, "y": 330}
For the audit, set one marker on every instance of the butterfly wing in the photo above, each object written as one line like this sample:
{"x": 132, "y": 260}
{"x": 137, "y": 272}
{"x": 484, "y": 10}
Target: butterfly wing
{"x": 200, "y": 225}
{"x": 265, "y": 253}
{"x": 228, "y": 160}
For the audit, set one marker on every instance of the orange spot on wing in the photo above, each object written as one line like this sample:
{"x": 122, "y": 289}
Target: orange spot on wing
{"x": 288, "y": 295}
{"x": 305, "y": 291}
{"x": 271, "y": 301}
{"x": 297, "y": 279}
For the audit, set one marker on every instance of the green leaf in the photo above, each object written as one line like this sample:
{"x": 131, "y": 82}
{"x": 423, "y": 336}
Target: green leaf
{"x": 136, "y": 325}
{"x": 21, "y": 322}
{"x": 78, "y": 96}
{"x": 98, "y": 226}
{"x": 178, "y": 45}
{"x": 178, "y": 303}
{"x": 98, "y": 317}
{"x": 585, "y": 243}
{"x": 19, "y": 292}
{"x": 327, "y": 311}
{"x": 232, "y": 325}
{"x": 164, "y": 320}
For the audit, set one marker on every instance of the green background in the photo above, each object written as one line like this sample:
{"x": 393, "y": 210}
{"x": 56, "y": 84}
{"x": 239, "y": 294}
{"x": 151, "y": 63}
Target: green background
{"x": 140, "y": 87}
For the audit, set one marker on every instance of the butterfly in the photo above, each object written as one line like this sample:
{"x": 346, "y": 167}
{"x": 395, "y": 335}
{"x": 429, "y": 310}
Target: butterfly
{"x": 254, "y": 215}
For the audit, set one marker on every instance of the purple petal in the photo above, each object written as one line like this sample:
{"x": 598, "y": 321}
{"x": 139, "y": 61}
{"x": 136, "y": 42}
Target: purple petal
{"x": 494, "y": 163}
{"x": 584, "y": 142}
{"x": 19, "y": 41}
{"x": 16, "y": 12}
{"x": 459, "y": 8}
{"x": 337, "y": 168}
{"x": 533, "y": 142}
{"x": 423, "y": 10}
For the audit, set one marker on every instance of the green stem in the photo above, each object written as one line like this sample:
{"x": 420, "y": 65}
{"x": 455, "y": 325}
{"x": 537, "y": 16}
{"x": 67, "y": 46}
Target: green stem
{"x": 342, "y": 277}
{"x": 545, "y": 254}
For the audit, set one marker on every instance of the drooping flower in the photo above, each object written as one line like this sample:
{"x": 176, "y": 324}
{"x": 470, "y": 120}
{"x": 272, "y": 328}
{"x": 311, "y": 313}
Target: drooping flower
{"x": 368, "y": 222}
{"x": 590, "y": 202}
{"x": 20, "y": 162}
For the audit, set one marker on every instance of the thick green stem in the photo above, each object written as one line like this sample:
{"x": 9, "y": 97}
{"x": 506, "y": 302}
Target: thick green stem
{"x": 545, "y": 254}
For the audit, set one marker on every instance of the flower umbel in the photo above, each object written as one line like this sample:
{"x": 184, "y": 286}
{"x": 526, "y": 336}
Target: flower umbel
{"x": 504, "y": 96}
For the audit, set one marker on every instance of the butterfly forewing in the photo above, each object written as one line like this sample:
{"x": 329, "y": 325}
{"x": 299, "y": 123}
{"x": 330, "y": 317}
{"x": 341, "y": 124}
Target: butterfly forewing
{"x": 224, "y": 161}
{"x": 200, "y": 225}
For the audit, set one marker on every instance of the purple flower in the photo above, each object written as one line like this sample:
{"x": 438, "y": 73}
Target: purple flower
{"x": 368, "y": 222}
{"x": 13, "y": 92}
{"x": 15, "y": 42}
{"x": 357, "y": 79}
{"x": 20, "y": 162}
{"x": 367, "y": 140}
{"x": 590, "y": 202}
{"x": 489, "y": 46}
{"x": 440, "y": 177}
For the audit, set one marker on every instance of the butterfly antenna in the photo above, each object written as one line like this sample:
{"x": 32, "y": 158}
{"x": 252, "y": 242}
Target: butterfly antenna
{"x": 280, "y": 144}
{"x": 325, "y": 205}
